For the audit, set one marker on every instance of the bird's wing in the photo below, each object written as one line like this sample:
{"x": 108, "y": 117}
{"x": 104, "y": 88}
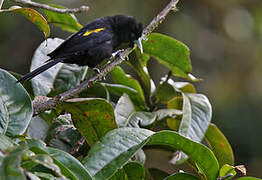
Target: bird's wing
{"x": 83, "y": 40}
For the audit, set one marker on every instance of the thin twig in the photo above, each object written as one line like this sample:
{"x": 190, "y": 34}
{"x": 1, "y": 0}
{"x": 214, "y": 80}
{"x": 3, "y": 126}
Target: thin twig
{"x": 44, "y": 6}
{"x": 52, "y": 103}
{"x": 1, "y": 3}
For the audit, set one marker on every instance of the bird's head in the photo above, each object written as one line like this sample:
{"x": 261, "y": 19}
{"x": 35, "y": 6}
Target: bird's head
{"x": 128, "y": 30}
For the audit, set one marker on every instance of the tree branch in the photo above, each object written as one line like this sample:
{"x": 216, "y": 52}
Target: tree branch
{"x": 52, "y": 103}
{"x": 44, "y": 6}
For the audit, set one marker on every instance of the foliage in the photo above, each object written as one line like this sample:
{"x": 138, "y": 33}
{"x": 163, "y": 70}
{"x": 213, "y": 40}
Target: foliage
{"x": 117, "y": 120}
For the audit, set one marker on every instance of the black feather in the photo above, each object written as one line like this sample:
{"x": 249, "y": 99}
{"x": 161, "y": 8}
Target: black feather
{"x": 93, "y": 43}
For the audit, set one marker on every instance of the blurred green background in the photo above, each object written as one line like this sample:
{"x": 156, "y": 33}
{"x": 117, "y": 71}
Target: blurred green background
{"x": 225, "y": 39}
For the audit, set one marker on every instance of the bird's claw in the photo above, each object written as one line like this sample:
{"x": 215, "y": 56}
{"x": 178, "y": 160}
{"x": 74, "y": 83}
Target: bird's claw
{"x": 96, "y": 70}
{"x": 118, "y": 53}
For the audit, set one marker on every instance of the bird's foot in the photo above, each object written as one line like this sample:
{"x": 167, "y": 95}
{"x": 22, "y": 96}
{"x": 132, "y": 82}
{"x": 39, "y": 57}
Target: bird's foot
{"x": 118, "y": 53}
{"x": 97, "y": 71}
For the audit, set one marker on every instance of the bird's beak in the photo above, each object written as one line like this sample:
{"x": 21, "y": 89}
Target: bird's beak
{"x": 139, "y": 44}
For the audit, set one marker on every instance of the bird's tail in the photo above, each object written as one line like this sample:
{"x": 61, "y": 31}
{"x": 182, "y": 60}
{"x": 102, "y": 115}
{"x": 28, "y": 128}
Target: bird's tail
{"x": 39, "y": 70}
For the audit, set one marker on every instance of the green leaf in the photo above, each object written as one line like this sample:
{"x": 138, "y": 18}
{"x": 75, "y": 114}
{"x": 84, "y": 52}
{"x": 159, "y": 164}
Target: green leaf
{"x": 197, "y": 113}
{"x": 43, "y": 83}
{"x": 11, "y": 165}
{"x": 219, "y": 145}
{"x": 92, "y": 117}
{"x": 120, "y": 77}
{"x": 46, "y": 161}
{"x": 123, "y": 110}
{"x": 70, "y": 167}
{"x": 15, "y": 106}
{"x": 200, "y": 154}
{"x": 196, "y": 118}
{"x": 33, "y": 16}
{"x": 26, "y": 84}
{"x": 68, "y": 77}
{"x": 98, "y": 90}
{"x": 141, "y": 118}
{"x": 32, "y": 176}
{"x": 119, "y": 89}
{"x": 131, "y": 171}
{"x": 134, "y": 171}
{"x": 37, "y": 128}
{"x": 114, "y": 150}
{"x": 143, "y": 58}
{"x": 164, "y": 113}
{"x": 248, "y": 178}
{"x": 184, "y": 87}
{"x": 171, "y": 53}
{"x": 66, "y": 22}
{"x": 44, "y": 176}
{"x": 182, "y": 176}
{"x": 6, "y": 144}
{"x": 62, "y": 134}
{"x": 139, "y": 65}
{"x": 226, "y": 170}
{"x": 175, "y": 103}
{"x": 165, "y": 92}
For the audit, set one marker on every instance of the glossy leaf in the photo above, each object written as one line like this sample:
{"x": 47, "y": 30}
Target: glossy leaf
{"x": 139, "y": 65}
{"x": 182, "y": 176}
{"x": 134, "y": 171}
{"x": 46, "y": 161}
{"x": 184, "y": 87}
{"x": 119, "y": 89}
{"x": 248, "y": 178}
{"x": 70, "y": 167}
{"x": 42, "y": 175}
{"x": 48, "y": 76}
{"x": 26, "y": 84}
{"x": 68, "y": 77}
{"x": 165, "y": 92}
{"x": 197, "y": 112}
{"x": 33, "y": 16}
{"x": 92, "y": 117}
{"x": 97, "y": 90}
{"x": 219, "y": 145}
{"x": 123, "y": 110}
{"x": 226, "y": 170}
{"x": 199, "y": 153}
{"x": 6, "y": 144}
{"x": 114, "y": 150}
{"x": 164, "y": 113}
{"x": 176, "y": 103}
{"x": 131, "y": 171}
{"x": 38, "y": 128}
{"x": 62, "y": 133}
{"x": 11, "y": 165}
{"x": 15, "y": 106}
{"x": 66, "y": 22}
{"x": 176, "y": 56}
{"x": 142, "y": 118}
{"x": 196, "y": 118}
{"x": 120, "y": 77}
{"x": 173, "y": 123}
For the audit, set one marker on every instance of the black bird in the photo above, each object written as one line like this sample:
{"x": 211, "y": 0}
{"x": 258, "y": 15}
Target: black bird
{"x": 93, "y": 43}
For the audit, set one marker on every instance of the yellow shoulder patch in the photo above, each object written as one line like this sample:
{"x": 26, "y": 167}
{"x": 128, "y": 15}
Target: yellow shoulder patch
{"x": 88, "y": 32}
